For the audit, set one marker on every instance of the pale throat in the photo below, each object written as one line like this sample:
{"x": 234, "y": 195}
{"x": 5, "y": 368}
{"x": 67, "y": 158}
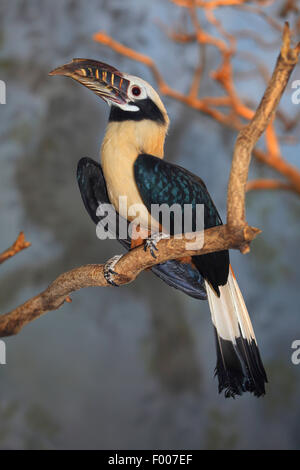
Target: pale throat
{"x": 122, "y": 144}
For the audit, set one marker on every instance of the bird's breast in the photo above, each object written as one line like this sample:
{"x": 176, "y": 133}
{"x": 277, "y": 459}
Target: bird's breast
{"x": 123, "y": 192}
{"x": 120, "y": 148}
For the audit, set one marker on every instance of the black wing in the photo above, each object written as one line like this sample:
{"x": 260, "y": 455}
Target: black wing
{"x": 161, "y": 182}
{"x": 94, "y": 193}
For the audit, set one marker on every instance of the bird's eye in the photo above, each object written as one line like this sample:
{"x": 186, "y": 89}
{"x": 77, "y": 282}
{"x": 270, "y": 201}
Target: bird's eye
{"x": 136, "y": 91}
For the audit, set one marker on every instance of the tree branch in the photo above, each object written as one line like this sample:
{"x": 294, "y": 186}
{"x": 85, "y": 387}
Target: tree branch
{"x": 236, "y": 234}
{"x": 260, "y": 184}
{"x": 204, "y": 105}
{"x": 128, "y": 268}
{"x": 19, "y": 245}
{"x": 229, "y": 110}
{"x": 250, "y": 134}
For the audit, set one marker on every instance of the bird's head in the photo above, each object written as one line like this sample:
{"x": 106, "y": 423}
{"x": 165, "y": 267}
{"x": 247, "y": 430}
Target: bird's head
{"x": 129, "y": 97}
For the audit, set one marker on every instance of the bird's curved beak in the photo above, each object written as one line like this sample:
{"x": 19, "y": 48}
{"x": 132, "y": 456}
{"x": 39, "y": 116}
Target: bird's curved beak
{"x": 103, "y": 79}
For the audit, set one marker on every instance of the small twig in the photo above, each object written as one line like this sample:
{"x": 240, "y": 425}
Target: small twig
{"x": 19, "y": 245}
{"x": 281, "y": 166}
{"x": 257, "y": 11}
{"x": 197, "y": 77}
{"x": 209, "y": 4}
{"x": 261, "y": 184}
{"x": 204, "y": 105}
{"x": 248, "y": 34}
{"x": 212, "y": 106}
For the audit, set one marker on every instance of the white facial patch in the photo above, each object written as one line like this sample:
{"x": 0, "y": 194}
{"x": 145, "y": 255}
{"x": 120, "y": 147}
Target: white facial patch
{"x": 147, "y": 91}
{"x": 128, "y": 107}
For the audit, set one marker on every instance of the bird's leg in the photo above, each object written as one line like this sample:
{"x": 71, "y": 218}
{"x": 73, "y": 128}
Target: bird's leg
{"x": 108, "y": 270}
{"x": 153, "y": 241}
{"x": 139, "y": 236}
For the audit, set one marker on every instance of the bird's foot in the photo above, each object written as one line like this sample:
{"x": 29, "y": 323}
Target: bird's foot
{"x": 153, "y": 241}
{"x": 108, "y": 270}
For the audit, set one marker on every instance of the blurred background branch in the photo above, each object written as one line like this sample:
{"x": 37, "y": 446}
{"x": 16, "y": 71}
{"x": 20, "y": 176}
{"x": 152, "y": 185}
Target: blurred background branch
{"x": 229, "y": 109}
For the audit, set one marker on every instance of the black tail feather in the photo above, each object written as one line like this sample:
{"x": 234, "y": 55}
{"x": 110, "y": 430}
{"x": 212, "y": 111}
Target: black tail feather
{"x": 239, "y": 367}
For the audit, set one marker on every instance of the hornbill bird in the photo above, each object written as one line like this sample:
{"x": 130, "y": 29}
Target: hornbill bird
{"x": 132, "y": 165}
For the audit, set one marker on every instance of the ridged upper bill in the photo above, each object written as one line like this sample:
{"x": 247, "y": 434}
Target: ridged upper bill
{"x": 103, "y": 79}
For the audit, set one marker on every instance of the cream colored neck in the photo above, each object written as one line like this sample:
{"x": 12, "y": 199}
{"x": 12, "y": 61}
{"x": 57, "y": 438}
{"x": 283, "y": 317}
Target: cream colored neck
{"x": 122, "y": 144}
{"x": 132, "y": 138}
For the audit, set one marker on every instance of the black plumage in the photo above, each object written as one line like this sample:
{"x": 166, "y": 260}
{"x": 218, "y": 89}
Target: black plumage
{"x": 161, "y": 182}
{"x": 147, "y": 110}
{"x": 182, "y": 276}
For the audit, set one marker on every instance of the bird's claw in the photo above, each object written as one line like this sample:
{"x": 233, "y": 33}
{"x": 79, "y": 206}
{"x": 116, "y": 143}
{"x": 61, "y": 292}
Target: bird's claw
{"x": 153, "y": 241}
{"x": 108, "y": 270}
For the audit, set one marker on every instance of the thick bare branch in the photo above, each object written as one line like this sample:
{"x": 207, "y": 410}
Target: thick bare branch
{"x": 250, "y": 134}
{"x": 128, "y": 268}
